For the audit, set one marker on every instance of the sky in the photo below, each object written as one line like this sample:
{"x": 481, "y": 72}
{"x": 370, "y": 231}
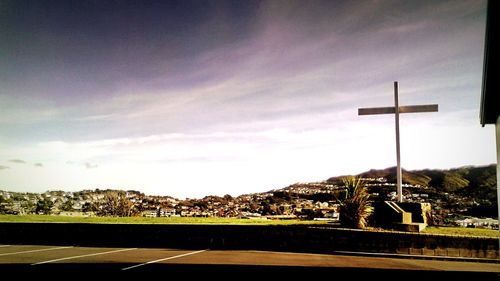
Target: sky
{"x": 196, "y": 98}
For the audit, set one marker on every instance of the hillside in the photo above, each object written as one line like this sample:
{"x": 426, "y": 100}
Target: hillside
{"x": 477, "y": 181}
{"x": 464, "y": 191}
{"x": 415, "y": 178}
{"x": 454, "y": 194}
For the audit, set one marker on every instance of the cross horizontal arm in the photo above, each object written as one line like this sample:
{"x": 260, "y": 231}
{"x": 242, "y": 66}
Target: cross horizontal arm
{"x": 376, "y": 110}
{"x": 418, "y": 108}
{"x": 402, "y": 109}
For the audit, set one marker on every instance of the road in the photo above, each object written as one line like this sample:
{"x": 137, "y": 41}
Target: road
{"x": 38, "y": 259}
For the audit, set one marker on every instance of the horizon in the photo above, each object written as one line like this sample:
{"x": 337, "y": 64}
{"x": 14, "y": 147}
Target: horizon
{"x": 187, "y": 98}
{"x": 249, "y": 193}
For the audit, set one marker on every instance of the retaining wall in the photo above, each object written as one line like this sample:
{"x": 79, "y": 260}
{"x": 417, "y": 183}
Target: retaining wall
{"x": 298, "y": 238}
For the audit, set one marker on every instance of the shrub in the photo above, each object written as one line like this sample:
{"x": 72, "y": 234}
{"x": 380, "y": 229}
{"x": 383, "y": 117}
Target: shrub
{"x": 354, "y": 206}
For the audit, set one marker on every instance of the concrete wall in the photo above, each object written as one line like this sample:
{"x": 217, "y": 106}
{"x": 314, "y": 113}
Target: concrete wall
{"x": 247, "y": 237}
{"x": 420, "y": 212}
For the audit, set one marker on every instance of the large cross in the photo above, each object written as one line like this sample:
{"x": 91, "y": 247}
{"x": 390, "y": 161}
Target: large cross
{"x": 396, "y": 110}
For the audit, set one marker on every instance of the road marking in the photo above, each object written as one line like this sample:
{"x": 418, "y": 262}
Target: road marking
{"x": 169, "y": 258}
{"x": 33, "y": 251}
{"x": 82, "y": 256}
{"x": 1, "y": 246}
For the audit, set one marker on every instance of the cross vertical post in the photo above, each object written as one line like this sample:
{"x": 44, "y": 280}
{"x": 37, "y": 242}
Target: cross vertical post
{"x": 396, "y": 110}
{"x": 399, "y": 180}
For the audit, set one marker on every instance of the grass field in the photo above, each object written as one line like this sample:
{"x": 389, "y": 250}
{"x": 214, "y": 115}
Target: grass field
{"x": 139, "y": 220}
{"x": 462, "y": 231}
{"x": 185, "y": 220}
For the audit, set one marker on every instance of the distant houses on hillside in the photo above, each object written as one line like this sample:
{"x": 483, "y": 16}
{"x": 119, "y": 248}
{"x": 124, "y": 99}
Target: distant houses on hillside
{"x": 316, "y": 200}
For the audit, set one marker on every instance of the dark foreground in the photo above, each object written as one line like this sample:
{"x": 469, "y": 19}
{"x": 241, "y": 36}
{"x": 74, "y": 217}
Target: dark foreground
{"x": 282, "y": 238}
{"x": 62, "y": 262}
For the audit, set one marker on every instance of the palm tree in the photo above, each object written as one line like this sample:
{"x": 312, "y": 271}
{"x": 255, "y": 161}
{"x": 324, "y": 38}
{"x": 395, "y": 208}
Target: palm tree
{"x": 354, "y": 207}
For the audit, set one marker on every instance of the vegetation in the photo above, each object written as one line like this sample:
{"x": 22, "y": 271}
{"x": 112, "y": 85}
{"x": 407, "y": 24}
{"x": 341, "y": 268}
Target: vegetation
{"x": 145, "y": 220}
{"x": 464, "y": 191}
{"x": 44, "y": 206}
{"x": 454, "y": 194}
{"x": 184, "y": 220}
{"x": 354, "y": 207}
{"x": 116, "y": 204}
{"x": 468, "y": 179}
{"x": 462, "y": 231}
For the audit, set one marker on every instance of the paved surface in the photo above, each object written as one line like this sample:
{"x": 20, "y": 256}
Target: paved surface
{"x": 37, "y": 259}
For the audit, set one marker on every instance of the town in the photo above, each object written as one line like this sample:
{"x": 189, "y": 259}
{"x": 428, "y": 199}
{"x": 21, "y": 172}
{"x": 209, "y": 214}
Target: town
{"x": 311, "y": 201}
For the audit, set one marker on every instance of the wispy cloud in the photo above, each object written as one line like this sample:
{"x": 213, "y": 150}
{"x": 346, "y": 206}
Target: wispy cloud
{"x": 19, "y": 161}
{"x": 38, "y": 165}
{"x": 4, "y": 167}
{"x": 277, "y": 81}
{"x": 226, "y": 146}
{"x": 296, "y": 60}
{"x": 89, "y": 165}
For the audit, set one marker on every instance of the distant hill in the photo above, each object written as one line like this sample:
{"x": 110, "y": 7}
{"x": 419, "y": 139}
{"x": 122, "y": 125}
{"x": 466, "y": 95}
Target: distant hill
{"x": 478, "y": 182}
{"x": 409, "y": 177}
{"x": 453, "y": 193}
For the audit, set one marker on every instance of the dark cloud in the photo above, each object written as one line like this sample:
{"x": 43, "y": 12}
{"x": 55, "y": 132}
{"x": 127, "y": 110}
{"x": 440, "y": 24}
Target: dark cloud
{"x": 4, "y": 167}
{"x": 119, "y": 38}
{"x": 38, "y": 165}
{"x": 19, "y": 161}
{"x": 90, "y": 165}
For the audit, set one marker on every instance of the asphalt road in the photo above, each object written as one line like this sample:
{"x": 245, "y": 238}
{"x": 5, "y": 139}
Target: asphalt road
{"x": 88, "y": 261}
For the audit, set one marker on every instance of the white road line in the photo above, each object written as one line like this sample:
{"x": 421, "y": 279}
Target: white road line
{"x": 169, "y": 258}
{"x": 82, "y": 256}
{"x": 33, "y": 251}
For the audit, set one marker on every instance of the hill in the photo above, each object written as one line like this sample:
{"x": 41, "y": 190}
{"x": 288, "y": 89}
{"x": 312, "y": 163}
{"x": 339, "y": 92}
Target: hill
{"x": 480, "y": 182}
{"x": 454, "y": 194}
{"x": 457, "y": 192}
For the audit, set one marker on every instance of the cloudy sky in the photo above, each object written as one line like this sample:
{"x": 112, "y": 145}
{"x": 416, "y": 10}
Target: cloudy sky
{"x": 192, "y": 98}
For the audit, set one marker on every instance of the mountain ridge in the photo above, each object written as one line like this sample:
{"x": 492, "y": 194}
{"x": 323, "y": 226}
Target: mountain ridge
{"x": 452, "y": 179}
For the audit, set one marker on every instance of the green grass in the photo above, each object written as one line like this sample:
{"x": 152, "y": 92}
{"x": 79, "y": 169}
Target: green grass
{"x": 447, "y": 230}
{"x": 144, "y": 220}
{"x": 184, "y": 220}
{"x": 462, "y": 231}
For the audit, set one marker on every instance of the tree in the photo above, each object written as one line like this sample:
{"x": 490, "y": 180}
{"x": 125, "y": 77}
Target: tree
{"x": 3, "y": 203}
{"x": 89, "y": 207}
{"x": 266, "y": 207}
{"x": 67, "y": 205}
{"x": 116, "y": 204}
{"x": 44, "y": 206}
{"x": 311, "y": 214}
{"x": 203, "y": 205}
{"x": 354, "y": 206}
